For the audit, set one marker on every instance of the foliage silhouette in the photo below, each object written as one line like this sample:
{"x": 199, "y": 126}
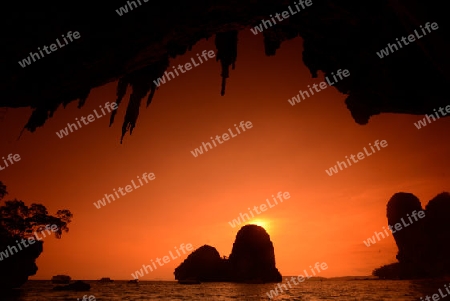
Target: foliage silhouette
{"x": 17, "y": 222}
{"x": 3, "y": 191}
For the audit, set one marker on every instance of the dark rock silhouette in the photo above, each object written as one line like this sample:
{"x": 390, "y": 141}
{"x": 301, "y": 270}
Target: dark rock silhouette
{"x": 253, "y": 256}
{"x": 389, "y": 271}
{"x": 423, "y": 245}
{"x": 203, "y": 264}
{"x": 61, "y": 279}
{"x": 437, "y": 227}
{"x": 410, "y": 240}
{"x": 106, "y": 279}
{"x": 76, "y": 286}
{"x": 226, "y": 44}
{"x": 252, "y": 260}
{"x": 189, "y": 281}
{"x": 17, "y": 222}
{"x": 15, "y": 270}
{"x": 336, "y": 34}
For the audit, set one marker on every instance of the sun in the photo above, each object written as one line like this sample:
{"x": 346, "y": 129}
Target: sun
{"x": 260, "y": 222}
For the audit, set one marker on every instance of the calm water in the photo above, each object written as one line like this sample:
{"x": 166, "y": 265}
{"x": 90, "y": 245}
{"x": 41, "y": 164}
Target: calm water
{"x": 364, "y": 290}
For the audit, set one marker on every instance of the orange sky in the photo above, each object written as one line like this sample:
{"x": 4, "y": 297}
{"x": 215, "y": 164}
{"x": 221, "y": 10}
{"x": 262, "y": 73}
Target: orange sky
{"x": 193, "y": 199}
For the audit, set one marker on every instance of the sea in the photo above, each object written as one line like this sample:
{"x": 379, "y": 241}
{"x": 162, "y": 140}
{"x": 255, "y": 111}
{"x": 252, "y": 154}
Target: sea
{"x": 311, "y": 290}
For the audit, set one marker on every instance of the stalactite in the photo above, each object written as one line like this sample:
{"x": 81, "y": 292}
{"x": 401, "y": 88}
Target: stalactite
{"x": 336, "y": 35}
{"x": 82, "y": 99}
{"x": 226, "y": 45}
{"x": 272, "y": 41}
{"x": 120, "y": 93}
{"x": 39, "y": 116}
{"x": 141, "y": 82}
{"x": 152, "y": 93}
{"x": 140, "y": 89}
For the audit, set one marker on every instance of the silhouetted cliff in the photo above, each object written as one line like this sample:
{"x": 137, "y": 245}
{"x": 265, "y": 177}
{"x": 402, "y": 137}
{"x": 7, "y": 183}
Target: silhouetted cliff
{"x": 253, "y": 256}
{"x": 252, "y": 259}
{"x": 437, "y": 228}
{"x": 410, "y": 240}
{"x": 203, "y": 264}
{"x": 16, "y": 268}
{"x": 19, "y": 224}
{"x": 423, "y": 243}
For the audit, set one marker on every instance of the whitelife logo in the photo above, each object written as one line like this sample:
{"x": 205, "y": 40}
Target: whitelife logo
{"x": 323, "y": 85}
{"x": 423, "y": 122}
{"x": 300, "y": 278}
{"x": 436, "y": 297}
{"x": 198, "y": 151}
{"x": 124, "y": 9}
{"x": 411, "y": 38}
{"x": 284, "y": 15}
{"x": 16, "y": 158}
{"x": 360, "y": 156}
{"x": 165, "y": 259}
{"x": 128, "y": 188}
{"x": 397, "y": 226}
{"x": 90, "y": 118}
{"x": 27, "y": 61}
{"x": 162, "y": 80}
{"x": 86, "y": 298}
{"x": 31, "y": 240}
{"x": 262, "y": 207}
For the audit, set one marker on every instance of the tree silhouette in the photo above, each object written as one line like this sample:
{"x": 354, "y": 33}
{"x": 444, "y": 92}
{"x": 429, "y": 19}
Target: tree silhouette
{"x": 19, "y": 221}
{"x": 3, "y": 191}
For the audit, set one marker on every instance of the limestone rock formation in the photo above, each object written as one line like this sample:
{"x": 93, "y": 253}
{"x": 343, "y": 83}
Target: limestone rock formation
{"x": 253, "y": 257}
{"x": 17, "y": 267}
{"x": 203, "y": 264}
{"x": 252, "y": 260}
{"x": 410, "y": 240}
{"x": 437, "y": 227}
{"x": 423, "y": 245}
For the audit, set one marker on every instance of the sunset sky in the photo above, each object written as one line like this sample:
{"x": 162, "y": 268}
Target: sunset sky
{"x": 192, "y": 199}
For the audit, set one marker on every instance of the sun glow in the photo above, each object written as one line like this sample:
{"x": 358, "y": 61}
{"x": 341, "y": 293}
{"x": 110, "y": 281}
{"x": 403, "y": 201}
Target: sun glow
{"x": 260, "y": 222}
